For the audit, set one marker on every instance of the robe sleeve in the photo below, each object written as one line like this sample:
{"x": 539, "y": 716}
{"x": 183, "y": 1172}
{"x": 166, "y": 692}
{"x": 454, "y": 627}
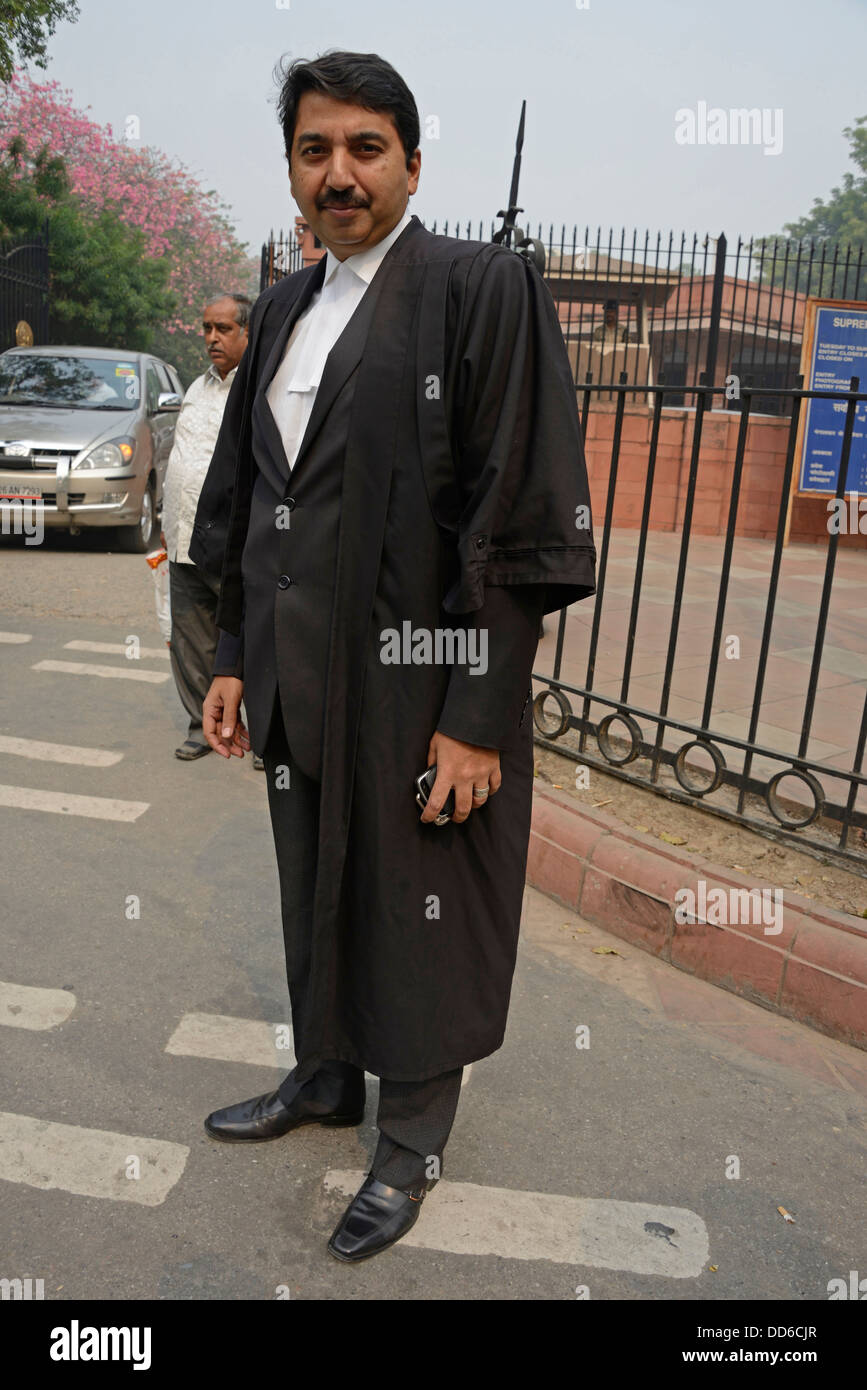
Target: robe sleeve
{"x": 524, "y": 499}
{"x": 229, "y": 656}
{"x": 224, "y": 498}
{"x": 525, "y": 543}
{"x": 487, "y": 708}
{"x": 210, "y": 527}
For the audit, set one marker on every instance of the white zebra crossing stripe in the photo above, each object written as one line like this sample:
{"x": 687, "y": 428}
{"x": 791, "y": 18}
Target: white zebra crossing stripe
{"x": 88, "y": 1162}
{"x": 118, "y": 649}
{"x": 16, "y": 637}
{"x": 68, "y": 804}
{"x": 25, "y": 1006}
{"x": 224, "y": 1039}
{"x": 58, "y": 752}
{"x": 221, "y": 1038}
{"x": 86, "y": 668}
{"x": 462, "y": 1218}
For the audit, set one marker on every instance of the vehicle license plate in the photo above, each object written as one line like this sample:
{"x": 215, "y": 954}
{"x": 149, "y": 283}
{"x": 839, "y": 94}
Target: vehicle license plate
{"x": 8, "y": 490}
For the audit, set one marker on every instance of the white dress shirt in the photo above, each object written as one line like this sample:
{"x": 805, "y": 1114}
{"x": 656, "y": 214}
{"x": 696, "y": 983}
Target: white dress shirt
{"x": 293, "y": 389}
{"x": 195, "y": 437}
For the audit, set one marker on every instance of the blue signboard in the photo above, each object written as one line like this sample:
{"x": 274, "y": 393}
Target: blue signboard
{"x": 839, "y": 351}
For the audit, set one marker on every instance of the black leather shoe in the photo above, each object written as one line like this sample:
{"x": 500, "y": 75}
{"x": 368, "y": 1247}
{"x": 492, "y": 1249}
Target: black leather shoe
{"x": 376, "y": 1218}
{"x": 266, "y": 1117}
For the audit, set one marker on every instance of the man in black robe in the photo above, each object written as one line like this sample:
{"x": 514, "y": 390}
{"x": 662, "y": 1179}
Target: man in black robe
{"x": 397, "y": 496}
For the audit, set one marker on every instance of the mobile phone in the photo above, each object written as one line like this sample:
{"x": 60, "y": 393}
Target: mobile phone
{"x": 424, "y": 787}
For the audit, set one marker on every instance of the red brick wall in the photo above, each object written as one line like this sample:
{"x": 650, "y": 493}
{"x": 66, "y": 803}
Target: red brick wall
{"x": 761, "y": 479}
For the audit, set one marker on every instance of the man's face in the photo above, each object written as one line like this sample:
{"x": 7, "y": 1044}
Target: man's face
{"x": 610, "y": 317}
{"x": 348, "y": 173}
{"x": 224, "y": 339}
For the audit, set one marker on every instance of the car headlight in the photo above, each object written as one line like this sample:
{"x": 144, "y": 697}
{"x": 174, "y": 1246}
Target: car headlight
{"x": 116, "y": 453}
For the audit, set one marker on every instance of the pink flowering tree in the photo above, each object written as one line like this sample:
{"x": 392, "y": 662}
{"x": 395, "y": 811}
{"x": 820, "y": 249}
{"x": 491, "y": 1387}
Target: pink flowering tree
{"x": 179, "y": 221}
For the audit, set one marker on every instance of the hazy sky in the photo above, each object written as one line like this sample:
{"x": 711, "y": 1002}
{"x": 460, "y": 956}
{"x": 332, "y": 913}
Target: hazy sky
{"x": 603, "y": 84}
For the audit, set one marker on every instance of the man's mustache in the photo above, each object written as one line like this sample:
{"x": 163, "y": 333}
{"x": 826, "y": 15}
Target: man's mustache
{"x": 343, "y": 204}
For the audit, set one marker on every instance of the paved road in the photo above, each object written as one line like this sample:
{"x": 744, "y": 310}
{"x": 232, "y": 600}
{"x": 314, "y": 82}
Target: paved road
{"x": 143, "y": 985}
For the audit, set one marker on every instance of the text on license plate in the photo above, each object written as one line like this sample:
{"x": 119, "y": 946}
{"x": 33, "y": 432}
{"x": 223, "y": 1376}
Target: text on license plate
{"x": 8, "y": 490}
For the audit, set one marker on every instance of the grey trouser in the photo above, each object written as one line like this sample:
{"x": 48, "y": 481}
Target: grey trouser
{"x": 193, "y": 598}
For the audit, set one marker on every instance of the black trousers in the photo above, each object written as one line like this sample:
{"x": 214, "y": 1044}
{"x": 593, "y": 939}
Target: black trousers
{"x": 414, "y": 1117}
{"x": 193, "y": 598}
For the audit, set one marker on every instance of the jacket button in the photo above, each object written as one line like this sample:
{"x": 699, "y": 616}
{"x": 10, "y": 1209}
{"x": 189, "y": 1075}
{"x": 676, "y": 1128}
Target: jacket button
{"x": 481, "y": 543}
{"x": 289, "y": 502}
{"x": 284, "y": 581}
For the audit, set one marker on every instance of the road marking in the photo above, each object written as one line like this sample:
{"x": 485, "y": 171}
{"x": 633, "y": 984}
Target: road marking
{"x": 58, "y": 752}
{"x": 16, "y": 637}
{"x": 87, "y": 668}
{"x": 224, "y": 1039}
{"x": 221, "y": 1038}
{"x": 65, "y": 803}
{"x": 25, "y": 1006}
{"x": 118, "y": 649}
{"x": 88, "y": 1162}
{"x": 462, "y": 1218}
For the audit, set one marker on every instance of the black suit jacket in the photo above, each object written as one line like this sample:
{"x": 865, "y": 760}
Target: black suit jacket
{"x": 511, "y": 615}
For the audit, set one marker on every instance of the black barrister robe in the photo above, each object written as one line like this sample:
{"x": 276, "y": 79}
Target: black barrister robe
{"x": 464, "y": 503}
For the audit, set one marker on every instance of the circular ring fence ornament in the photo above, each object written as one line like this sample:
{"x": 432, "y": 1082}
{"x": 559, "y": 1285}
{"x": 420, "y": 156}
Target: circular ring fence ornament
{"x": 697, "y": 783}
{"x": 542, "y": 719}
{"x": 607, "y": 746}
{"x": 813, "y": 786}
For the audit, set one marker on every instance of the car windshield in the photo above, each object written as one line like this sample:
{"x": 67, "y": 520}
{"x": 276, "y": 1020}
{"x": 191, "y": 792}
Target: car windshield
{"x": 69, "y": 383}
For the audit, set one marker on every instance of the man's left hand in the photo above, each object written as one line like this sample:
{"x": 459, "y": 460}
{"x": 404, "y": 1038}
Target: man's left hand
{"x": 464, "y": 766}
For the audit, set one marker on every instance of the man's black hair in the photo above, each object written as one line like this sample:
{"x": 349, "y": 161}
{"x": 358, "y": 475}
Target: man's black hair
{"x": 362, "y": 78}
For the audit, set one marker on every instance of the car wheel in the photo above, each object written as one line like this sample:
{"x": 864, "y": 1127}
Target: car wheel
{"x": 138, "y": 539}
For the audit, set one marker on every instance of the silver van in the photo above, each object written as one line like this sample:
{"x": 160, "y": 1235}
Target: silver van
{"x": 87, "y": 432}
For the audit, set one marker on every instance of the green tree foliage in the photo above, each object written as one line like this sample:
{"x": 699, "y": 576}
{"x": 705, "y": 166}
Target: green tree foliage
{"x": 844, "y": 216}
{"x": 184, "y": 225}
{"x": 26, "y": 26}
{"x": 104, "y": 290}
{"x": 817, "y": 254}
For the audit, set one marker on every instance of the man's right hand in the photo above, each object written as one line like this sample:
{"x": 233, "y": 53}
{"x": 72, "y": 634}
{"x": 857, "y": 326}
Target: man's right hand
{"x": 222, "y": 724}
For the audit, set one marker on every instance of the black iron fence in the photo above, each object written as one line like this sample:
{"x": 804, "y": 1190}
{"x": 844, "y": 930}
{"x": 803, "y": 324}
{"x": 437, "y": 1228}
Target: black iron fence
{"x": 281, "y": 255}
{"x": 24, "y": 289}
{"x": 648, "y": 304}
{"x": 714, "y": 759}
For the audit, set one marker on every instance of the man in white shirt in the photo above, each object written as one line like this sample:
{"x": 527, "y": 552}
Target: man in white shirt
{"x": 193, "y": 596}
